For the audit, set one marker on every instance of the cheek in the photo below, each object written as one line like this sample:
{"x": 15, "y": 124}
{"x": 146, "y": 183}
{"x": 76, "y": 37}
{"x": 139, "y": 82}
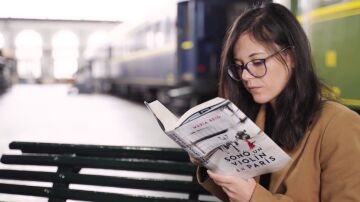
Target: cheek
{"x": 276, "y": 82}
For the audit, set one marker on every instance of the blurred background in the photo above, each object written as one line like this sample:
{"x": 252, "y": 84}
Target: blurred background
{"x": 78, "y": 71}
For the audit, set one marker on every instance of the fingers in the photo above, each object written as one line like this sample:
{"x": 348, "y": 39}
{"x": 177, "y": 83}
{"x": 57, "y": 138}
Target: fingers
{"x": 235, "y": 187}
{"x": 226, "y": 180}
{"x": 194, "y": 161}
{"x": 219, "y": 177}
{"x": 225, "y": 189}
{"x": 221, "y": 180}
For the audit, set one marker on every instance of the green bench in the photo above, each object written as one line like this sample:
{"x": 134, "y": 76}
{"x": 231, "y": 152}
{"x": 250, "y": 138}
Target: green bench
{"x": 71, "y": 159}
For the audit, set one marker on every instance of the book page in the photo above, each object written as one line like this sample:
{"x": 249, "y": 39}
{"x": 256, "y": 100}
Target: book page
{"x": 166, "y": 119}
{"x": 254, "y": 157}
{"x": 217, "y": 127}
{"x": 200, "y": 110}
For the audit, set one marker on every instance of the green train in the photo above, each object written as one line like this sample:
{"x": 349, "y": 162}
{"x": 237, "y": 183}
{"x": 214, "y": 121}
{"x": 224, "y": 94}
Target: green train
{"x": 333, "y": 28}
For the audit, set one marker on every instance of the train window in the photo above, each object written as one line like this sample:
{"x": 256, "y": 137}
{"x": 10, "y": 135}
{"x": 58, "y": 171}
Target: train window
{"x": 2, "y": 41}
{"x": 136, "y": 41}
{"x": 159, "y": 34}
{"x": 131, "y": 45}
{"x": 142, "y": 39}
{"x": 149, "y": 38}
{"x": 28, "y": 51}
{"x": 167, "y": 30}
{"x": 173, "y": 30}
{"x": 306, "y": 6}
{"x": 126, "y": 47}
{"x": 328, "y": 2}
{"x": 170, "y": 33}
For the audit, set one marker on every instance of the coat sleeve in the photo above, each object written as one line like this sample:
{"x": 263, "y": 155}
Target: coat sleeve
{"x": 339, "y": 157}
{"x": 210, "y": 185}
{"x": 261, "y": 194}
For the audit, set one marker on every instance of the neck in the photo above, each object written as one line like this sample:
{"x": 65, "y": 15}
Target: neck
{"x": 273, "y": 104}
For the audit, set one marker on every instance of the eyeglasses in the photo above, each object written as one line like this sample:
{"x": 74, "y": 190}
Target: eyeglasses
{"x": 257, "y": 68}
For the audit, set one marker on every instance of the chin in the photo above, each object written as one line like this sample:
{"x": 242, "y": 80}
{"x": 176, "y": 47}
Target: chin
{"x": 261, "y": 99}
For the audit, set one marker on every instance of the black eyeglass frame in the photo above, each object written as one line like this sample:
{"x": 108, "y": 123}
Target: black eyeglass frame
{"x": 244, "y": 67}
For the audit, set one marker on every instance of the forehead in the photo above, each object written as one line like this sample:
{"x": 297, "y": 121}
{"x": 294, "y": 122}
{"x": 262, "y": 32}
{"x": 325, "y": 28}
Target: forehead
{"x": 246, "y": 44}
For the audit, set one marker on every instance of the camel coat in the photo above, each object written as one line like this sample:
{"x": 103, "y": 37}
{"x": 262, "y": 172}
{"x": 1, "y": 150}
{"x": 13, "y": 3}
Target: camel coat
{"x": 325, "y": 166}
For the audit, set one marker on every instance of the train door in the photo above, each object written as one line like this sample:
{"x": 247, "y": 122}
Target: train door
{"x": 202, "y": 25}
{"x": 210, "y": 27}
{"x": 186, "y": 49}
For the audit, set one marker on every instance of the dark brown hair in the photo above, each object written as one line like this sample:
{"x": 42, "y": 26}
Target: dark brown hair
{"x": 296, "y": 106}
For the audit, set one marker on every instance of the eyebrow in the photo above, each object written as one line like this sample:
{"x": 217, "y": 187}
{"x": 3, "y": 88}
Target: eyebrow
{"x": 251, "y": 55}
{"x": 256, "y": 53}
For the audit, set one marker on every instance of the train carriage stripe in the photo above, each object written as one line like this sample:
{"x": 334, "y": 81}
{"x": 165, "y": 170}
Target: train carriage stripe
{"x": 332, "y": 12}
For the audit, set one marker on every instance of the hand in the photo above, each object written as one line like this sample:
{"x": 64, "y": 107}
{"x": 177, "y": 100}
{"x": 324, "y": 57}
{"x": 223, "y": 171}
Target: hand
{"x": 237, "y": 189}
{"x": 195, "y": 161}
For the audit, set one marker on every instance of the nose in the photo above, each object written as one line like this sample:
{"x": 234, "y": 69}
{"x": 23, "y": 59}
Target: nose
{"x": 245, "y": 75}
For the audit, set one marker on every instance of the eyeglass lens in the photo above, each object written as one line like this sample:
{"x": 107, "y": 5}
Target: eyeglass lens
{"x": 255, "y": 67}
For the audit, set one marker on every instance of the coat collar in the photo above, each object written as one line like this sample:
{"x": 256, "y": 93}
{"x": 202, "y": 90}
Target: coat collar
{"x": 278, "y": 176}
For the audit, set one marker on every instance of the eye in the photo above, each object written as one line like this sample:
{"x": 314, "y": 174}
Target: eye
{"x": 238, "y": 66}
{"x": 257, "y": 63}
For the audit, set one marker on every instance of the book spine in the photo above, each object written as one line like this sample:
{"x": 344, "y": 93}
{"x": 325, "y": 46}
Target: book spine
{"x": 177, "y": 139}
{"x": 193, "y": 152}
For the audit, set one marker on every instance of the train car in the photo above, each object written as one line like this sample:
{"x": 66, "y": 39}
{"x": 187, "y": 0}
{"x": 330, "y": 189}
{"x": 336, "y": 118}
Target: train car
{"x": 174, "y": 53}
{"x": 99, "y": 68}
{"x": 333, "y": 28}
{"x": 93, "y": 76}
{"x": 83, "y": 80}
{"x": 8, "y": 72}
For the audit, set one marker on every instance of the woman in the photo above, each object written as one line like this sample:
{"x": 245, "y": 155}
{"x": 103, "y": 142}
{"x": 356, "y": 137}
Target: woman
{"x": 266, "y": 61}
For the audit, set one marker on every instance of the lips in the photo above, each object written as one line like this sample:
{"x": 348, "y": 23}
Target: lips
{"x": 254, "y": 89}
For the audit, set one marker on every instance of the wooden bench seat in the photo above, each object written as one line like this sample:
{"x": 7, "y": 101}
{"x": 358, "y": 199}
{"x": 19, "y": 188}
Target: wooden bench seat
{"x": 71, "y": 159}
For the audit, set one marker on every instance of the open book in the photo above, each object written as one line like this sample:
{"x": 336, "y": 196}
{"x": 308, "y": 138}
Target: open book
{"x": 222, "y": 137}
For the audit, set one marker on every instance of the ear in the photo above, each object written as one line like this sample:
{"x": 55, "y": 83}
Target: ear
{"x": 289, "y": 59}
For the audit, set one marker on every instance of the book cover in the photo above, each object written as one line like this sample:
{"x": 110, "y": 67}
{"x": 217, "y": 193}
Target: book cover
{"x": 222, "y": 137}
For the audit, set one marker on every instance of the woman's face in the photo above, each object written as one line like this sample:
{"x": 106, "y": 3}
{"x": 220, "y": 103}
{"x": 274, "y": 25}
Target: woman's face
{"x": 267, "y": 88}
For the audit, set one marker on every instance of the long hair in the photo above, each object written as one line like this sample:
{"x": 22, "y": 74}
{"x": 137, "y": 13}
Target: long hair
{"x": 296, "y": 106}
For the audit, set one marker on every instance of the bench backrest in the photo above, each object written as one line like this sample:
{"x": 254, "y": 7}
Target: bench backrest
{"x": 70, "y": 159}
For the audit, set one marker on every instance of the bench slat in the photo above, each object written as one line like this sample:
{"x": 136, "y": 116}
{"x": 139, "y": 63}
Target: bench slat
{"x": 80, "y": 194}
{"x": 69, "y": 159}
{"x": 122, "y": 182}
{"x": 175, "y": 154}
{"x": 104, "y": 163}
